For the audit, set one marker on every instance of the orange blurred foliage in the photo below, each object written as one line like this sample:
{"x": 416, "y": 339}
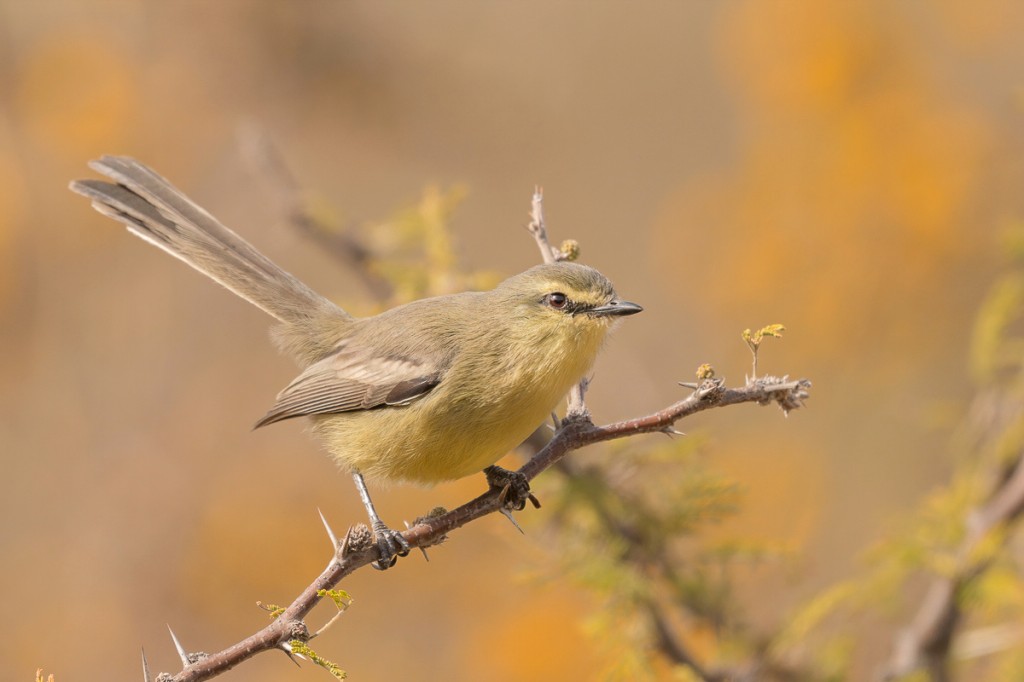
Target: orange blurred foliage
{"x": 77, "y": 93}
{"x": 850, "y": 150}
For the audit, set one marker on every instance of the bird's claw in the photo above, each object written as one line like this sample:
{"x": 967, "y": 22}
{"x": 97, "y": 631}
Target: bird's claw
{"x": 390, "y": 546}
{"x": 514, "y": 487}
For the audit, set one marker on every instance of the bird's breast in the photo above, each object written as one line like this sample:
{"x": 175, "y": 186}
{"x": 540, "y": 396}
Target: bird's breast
{"x": 486, "y": 404}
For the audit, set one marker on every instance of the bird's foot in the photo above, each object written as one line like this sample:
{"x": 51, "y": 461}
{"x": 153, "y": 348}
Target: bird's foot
{"x": 514, "y": 487}
{"x": 390, "y": 545}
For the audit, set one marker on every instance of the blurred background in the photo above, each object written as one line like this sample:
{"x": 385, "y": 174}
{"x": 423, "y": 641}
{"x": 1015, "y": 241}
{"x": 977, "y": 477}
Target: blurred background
{"x": 841, "y": 168}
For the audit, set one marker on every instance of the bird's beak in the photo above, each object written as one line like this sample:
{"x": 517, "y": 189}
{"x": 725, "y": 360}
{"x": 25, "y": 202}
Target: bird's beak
{"x": 615, "y": 308}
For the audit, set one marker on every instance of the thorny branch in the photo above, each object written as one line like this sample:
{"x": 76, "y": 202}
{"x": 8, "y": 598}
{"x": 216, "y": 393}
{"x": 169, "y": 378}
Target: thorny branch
{"x": 357, "y": 549}
{"x": 576, "y": 431}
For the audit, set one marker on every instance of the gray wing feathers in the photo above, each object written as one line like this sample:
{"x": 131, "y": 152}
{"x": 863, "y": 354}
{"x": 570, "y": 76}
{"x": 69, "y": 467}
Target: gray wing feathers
{"x": 352, "y": 381}
{"x": 156, "y": 211}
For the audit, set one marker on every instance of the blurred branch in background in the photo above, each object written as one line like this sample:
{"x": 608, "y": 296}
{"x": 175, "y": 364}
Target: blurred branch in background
{"x": 659, "y": 585}
{"x": 268, "y": 165}
{"x": 411, "y": 255}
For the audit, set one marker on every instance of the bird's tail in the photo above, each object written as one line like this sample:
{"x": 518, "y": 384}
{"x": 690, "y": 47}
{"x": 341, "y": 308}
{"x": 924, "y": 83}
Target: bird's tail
{"x": 156, "y": 211}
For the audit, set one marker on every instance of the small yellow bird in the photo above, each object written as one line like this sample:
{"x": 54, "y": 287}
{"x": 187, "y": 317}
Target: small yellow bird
{"x": 429, "y": 391}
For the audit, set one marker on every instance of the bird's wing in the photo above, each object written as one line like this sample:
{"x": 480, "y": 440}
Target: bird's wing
{"x": 351, "y": 380}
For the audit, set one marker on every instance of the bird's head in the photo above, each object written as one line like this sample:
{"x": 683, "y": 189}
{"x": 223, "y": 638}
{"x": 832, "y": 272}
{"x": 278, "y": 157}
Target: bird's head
{"x": 564, "y": 300}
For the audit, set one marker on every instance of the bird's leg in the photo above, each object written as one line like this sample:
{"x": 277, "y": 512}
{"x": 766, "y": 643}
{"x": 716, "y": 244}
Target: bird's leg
{"x": 390, "y": 543}
{"x": 514, "y": 487}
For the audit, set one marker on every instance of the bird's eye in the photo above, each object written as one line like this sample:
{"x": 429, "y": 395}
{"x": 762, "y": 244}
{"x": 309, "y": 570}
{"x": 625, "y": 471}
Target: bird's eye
{"x": 557, "y": 300}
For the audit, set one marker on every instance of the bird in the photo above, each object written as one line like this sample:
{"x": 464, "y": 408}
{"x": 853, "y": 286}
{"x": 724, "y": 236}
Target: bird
{"x": 429, "y": 391}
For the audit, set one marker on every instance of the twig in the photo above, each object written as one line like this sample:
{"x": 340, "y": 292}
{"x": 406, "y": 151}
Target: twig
{"x": 548, "y": 253}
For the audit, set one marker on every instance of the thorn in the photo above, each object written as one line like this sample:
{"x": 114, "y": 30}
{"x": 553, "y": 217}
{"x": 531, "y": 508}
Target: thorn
{"x": 343, "y": 549}
{"x": 288, "y": 652}
{"x": 555, "y": 424}
{"x": 671, "y": 431}
{"x": 287, "y": 648}
{"x": 503, "y": 495}
{"x": 177, "y": 645}
{"x": 330, "y": 533}
{"x": 687, "y": 384}
{"x": 422, "y": 549}
{"x": 508, "y": 515}
{"x": 145, "y": 668}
